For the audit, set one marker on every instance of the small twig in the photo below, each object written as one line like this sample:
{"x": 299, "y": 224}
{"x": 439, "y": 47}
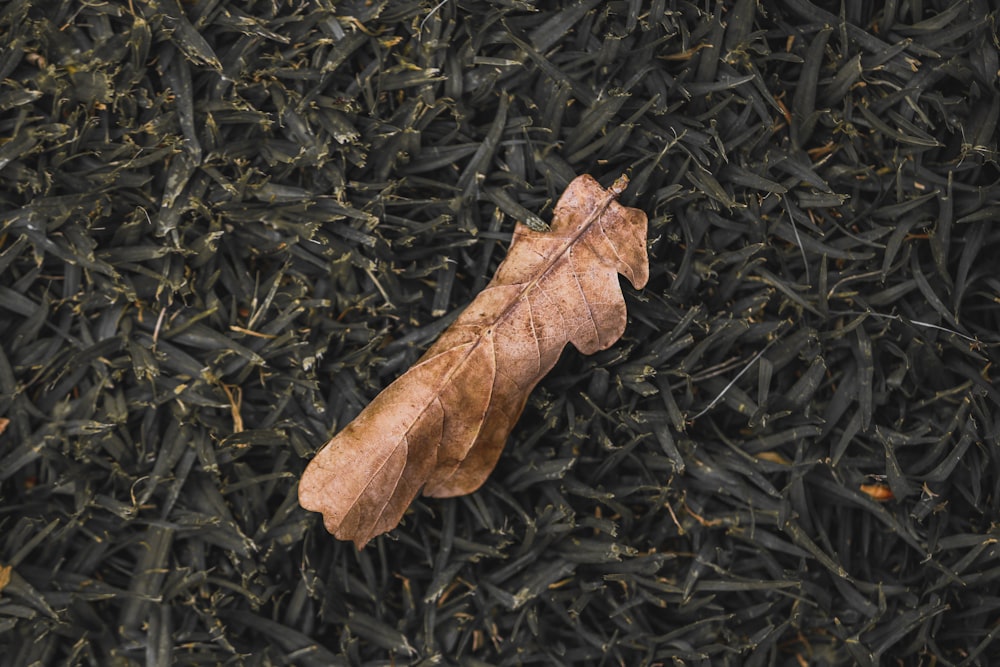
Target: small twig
{"x": 235, "y": 396}
{"x": 798, "y": 239}
{"x": 905, "y": 320}
{"x": 430, "y": 14}
{"x": 251, "y": 332}
{"x": 159, "y": 324}
{"x": 378, "y": 286}
{"x": 725, "y": 390}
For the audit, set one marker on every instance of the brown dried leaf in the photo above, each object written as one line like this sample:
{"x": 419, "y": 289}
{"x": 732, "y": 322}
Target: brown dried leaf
{"x": 441, "y": 426}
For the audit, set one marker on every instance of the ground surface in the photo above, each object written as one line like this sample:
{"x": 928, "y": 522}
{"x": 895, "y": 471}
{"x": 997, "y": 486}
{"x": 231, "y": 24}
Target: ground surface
{"x": 225, "y": 226}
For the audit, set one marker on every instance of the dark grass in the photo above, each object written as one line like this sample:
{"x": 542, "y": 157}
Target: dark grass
{"x": 225, "y": 226}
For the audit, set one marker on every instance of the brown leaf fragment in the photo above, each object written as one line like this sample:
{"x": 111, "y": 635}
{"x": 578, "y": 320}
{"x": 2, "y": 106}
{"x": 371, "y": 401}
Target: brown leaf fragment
{"x": 441, "y": 426}
{"x": 879, "y": 492}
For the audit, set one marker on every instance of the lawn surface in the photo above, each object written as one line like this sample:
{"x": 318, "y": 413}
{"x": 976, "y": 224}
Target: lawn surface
{"x": 225, "y": 226}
